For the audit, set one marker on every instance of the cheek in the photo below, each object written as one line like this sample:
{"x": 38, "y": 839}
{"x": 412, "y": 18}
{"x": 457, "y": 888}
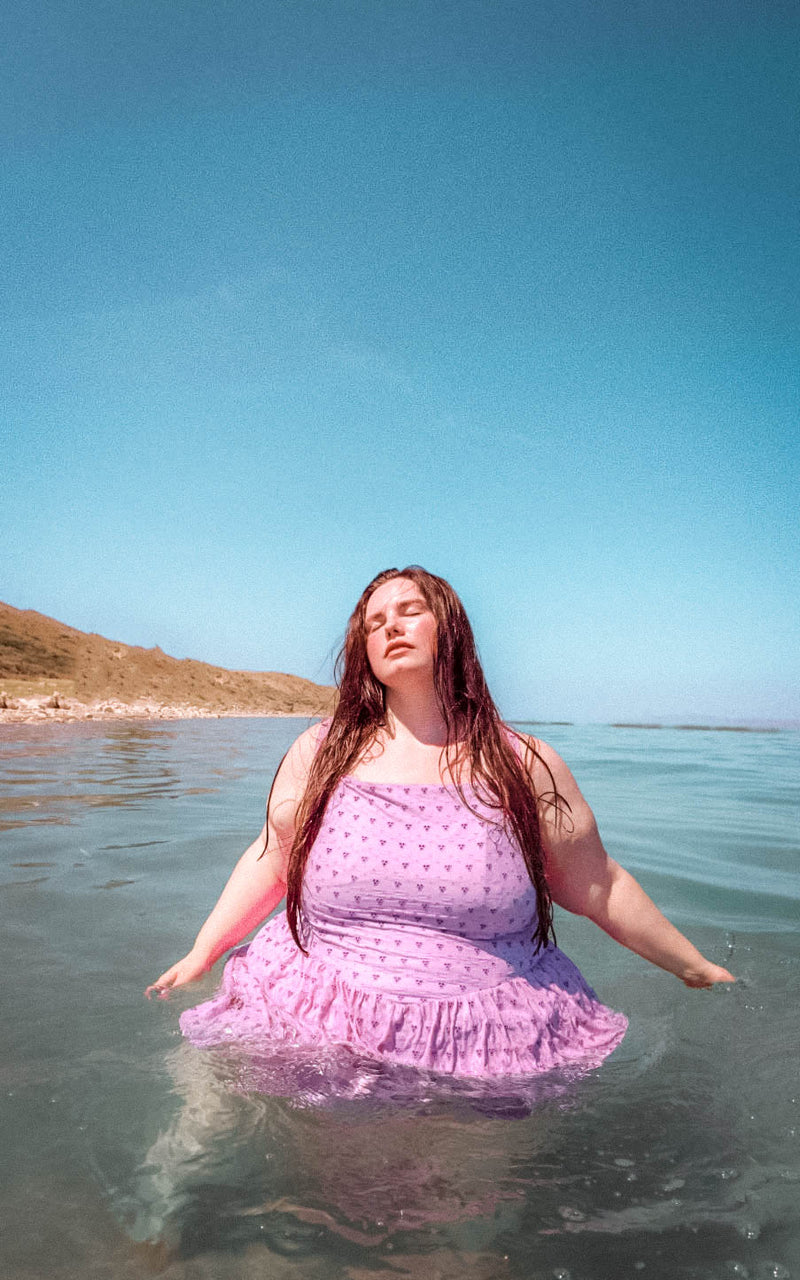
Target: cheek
{"x": 427, "y": 636}
{"x": 373, "y": 651}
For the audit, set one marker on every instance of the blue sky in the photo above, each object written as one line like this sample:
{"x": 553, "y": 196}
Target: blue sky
{"x": 297, "y": 291}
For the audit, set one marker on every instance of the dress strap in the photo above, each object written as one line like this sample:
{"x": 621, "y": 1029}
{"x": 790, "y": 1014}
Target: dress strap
{"x": 514, "y": 740}
{"x": 322, "y": 732}
{"x": 324, "y": 726}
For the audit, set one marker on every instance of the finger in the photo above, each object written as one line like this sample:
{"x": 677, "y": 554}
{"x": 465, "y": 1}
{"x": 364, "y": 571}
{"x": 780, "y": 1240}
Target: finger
{"x": 722, "y": 975}
{"x": 161, "y": 985}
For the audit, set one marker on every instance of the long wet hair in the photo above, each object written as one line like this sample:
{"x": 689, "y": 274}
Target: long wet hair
{"x": 479, "y": 747}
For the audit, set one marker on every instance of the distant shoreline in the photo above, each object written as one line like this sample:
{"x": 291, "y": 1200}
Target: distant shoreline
{"x": 70, "y": 711}
{"x": 60, "y": 709}
{"x": 791, "y": 727}
{"x": 709, "y": 728}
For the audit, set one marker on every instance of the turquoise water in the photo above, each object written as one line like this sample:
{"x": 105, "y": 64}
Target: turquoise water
{"x": 126, "y": 1153}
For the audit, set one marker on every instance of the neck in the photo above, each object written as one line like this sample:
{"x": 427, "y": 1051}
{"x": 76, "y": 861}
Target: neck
{"x": 415, "y": 713}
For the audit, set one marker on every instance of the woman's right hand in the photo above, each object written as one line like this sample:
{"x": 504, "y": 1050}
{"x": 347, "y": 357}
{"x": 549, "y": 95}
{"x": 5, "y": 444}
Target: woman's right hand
{"x": 189, "y": 969}
{"x": 706, "y": 976}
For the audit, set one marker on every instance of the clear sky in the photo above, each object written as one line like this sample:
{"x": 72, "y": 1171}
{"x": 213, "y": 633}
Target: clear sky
{"x": 295, "y": 291}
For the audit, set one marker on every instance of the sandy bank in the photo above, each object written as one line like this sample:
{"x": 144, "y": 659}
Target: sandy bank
{"x": 41, "y": 710}
{"x": 50, "y": 671}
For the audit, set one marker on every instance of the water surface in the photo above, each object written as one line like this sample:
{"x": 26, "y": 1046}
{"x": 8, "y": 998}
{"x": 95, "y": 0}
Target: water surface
{"x": 127, "y": 1152}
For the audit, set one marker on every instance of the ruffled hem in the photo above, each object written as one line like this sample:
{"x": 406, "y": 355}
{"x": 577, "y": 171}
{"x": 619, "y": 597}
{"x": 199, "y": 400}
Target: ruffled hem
{"x": 273, "y": 994}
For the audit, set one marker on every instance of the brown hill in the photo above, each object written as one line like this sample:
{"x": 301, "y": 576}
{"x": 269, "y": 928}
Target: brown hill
{"x": 40, "y": 658}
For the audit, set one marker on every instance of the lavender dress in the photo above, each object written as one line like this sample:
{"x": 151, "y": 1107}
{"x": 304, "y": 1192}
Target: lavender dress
{"x": 418, "y": 919}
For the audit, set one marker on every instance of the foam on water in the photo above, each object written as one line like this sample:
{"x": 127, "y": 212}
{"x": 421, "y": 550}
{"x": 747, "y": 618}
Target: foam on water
{"x": 126, "y": 1150}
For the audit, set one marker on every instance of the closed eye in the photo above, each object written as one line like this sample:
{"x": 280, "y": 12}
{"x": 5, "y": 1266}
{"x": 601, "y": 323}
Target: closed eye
{"x": 412, "y": 606}
{"x": 407, "y": 608}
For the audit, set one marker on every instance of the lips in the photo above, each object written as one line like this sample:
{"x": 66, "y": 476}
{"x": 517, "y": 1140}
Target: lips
{"x": 397, "y": 647}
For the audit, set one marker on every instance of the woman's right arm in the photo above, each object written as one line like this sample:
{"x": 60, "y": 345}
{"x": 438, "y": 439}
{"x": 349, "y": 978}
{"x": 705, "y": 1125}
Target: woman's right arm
{"x": 258, "y": 881}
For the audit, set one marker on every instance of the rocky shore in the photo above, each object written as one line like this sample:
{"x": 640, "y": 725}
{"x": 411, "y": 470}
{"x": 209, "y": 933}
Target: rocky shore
{"x": 52, "y": 672}
{"x": 57, "y": 708}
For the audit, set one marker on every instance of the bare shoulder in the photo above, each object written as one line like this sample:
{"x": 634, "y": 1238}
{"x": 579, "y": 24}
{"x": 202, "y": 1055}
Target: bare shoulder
{"x": 291, "y": 778}
{"x": 563, "y": 810}
{"x": 545, "y": 767}
{"x": 299, "y": 758}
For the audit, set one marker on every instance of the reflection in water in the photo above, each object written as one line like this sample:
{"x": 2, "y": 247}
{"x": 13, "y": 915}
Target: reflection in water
{"x": 86, "y": 799}
{"x": 54, "y": 772}
{"x": 359, "y": 1170}
{"x": 129, "y": 746}
{"x": 636, "y": 1159}
{"x": 116, "y": 765}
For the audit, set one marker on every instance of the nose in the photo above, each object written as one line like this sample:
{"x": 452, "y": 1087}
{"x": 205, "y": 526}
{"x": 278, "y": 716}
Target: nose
{"x": 393, "y": 625}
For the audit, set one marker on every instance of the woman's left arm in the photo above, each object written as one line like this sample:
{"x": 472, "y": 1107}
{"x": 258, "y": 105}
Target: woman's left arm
{"x": 584, "y": 880}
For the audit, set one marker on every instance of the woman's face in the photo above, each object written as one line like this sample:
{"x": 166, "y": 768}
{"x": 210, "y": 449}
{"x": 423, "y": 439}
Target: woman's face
{"x": 400, "y": 632}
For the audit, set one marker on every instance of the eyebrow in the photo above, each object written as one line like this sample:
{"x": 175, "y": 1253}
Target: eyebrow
{"x": 404, "y": 604}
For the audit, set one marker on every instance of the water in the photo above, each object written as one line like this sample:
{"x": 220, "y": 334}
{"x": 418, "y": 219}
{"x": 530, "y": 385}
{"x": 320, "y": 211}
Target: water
{"x": 126, "y": 1152}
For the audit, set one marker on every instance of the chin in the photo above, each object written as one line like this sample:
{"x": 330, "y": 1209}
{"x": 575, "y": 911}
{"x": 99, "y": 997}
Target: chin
{"x": 399, "y": 672}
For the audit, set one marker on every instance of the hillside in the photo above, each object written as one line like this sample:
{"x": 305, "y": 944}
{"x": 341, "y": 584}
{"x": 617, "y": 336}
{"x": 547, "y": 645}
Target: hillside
{"x": 50, "y": 670}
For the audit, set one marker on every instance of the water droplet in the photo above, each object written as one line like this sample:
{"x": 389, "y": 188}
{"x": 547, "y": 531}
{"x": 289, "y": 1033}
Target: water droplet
{"x": 750, "y": 1230}
{"x": 561, "y": 1273}
{"x": 674, "y": 1184}
{"x": 623, "y": 1163}
{"x": 570, "y": 1214}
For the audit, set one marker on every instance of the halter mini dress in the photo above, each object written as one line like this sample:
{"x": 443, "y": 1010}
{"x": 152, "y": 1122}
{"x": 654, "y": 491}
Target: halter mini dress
{"x": 418, "y": 913}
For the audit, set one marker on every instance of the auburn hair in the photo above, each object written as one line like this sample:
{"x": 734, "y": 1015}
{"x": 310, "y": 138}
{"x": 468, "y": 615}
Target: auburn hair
{"x": 479, "y": 747}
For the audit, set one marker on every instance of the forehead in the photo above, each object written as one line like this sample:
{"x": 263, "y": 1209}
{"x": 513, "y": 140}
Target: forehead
{"x": 396, "y": 591}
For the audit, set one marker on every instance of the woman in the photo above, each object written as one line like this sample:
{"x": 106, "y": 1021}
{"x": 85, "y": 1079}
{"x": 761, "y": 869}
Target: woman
{"x": 420, "y": 844}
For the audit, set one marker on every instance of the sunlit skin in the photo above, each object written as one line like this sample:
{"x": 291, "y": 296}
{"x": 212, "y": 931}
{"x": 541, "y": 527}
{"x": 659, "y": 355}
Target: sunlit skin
{"x": 400, "y": 638}
{"x": 401, "y": 635}
{"x": 401, "y": 648}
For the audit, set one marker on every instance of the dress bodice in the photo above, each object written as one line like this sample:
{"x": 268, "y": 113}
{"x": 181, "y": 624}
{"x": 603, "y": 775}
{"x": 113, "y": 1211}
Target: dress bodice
{"x": 412, "y": 891}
